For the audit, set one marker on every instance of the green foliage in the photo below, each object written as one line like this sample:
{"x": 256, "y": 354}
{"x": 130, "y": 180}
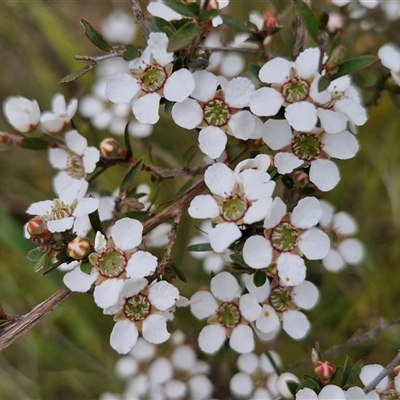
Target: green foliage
{"x": 95, "y": 37}
{"x": 183, "y": 36}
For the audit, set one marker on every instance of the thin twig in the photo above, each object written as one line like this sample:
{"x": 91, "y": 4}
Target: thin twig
{"x": 140, "y": 18}
{"x": 230, "y": 48}
{"x": 386, "y": 371}
{"x": 98, "y": 59}
{"x": 163, "y": 173}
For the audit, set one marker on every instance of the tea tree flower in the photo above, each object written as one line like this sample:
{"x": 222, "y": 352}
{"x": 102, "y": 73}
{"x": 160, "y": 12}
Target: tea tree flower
{"x": 55, "y": 121}
{"x": 114, "y": 261}
{"x": 141, "y": 311}
{"x": 151, "y": 79}
{"x": 21, "y": 113}
{"x": 313, "y": 149}
{"x": 238, "y": 197}
{"x": 389, "y": 55}
{"x": 217, "y": 112}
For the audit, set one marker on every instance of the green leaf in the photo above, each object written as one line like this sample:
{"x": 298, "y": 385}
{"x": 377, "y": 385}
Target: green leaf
{"x": 34, "y": 143}
{"x": 292, "y": 386}
{"x": 308, "y": 383}
{"x": 209, "y": 15}
{"x": 353, "y": 65}
{"x": 128, "y": 144}
{"x": 86, "y": 267}
{"x": 185, "y": 187}
{"x": 73, "y": 76}
{"x": 162, "y": 25}
{"x": 255, "y": 70}
{"x": 200, "y": 63}
{"x": 41, "y": 262}
{"x": 199, "y": 247}
{"x": 179, "y": 273}
{"x": 323, "y": 83}
{"x": 235, "y": 24}
{"x": 238, "y": 259}
{"x": 183, "y": 36}
{"x": 189, "y": 154}
{"x": 353, "y": 373}
{"x": 189, "y": 10}
{"x": 308, "y": 18}
{"x": 94, "y": 218}
{"x": 259, "y": 278}
{"x": 95, "y": 37}
{"x": 130, "y": 53}
{"x": 35, "y": 254}
{"x": 130, "y": 178}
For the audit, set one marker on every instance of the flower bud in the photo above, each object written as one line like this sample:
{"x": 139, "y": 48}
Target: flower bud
{"x": 78, "y": 248}
{"x": 23, "y": 114}
{"x": 325, "y": 370}
{"x": 111, "y": 148}
{"x": 269, "y": 20}
{"x": 37, "y": 229}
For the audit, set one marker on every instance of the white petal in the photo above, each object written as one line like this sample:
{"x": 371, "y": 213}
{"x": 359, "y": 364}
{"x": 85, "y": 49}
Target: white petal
{"x": 267, "y": 321}
{"x": 206, "y": 85}
{"x": 306, "y": 394}
{"x": 163, "y": 295}
{"x": 90, "y": 159}
{"x": 275, "y": 213}
{"x": 40, "y": 207}
{"x": 302, "y": 116}
{"x": 262, "y": 292}
{"x": 127, "y": 233}
{"x": 352, "y": 251}
{"x": 307, "y": 62}
{"x": 277, "y": 133}
{"x": 122, "y": 88}
{"x": 390, "y": 56}
{"x": 58, "y": 158}
{"x": 200, "y": 387}
{"x": 211, "y": 338}
{"x": 287, "y": 162}
{"x": 331, "y": 121}
{"x": 133, "y": 287}
{"x": 76, "y": 142}
{"x": 341, "y": 145}
{"x": 158, "y": 43}
{"x": 344, "y": 224}
{"x": 314, "y": 244}
{"x": 145, "y": 108}
{"x": 224, "y": 286}
{"x": 203, "y": 304}
{"x": 107, "y": 293}
{"x": 242, "y": 125}
{"x": 123, "y": 336}
{"x": 158, "y": 9}
{"x": 154, "y": 329}
{"x": 307, "y": 213}
{"x": 223, "y": 235}
{"x": 141, "y": 264}
{"x": 78, "y": 281}
{"x": 179, "y": 85}
{"x": 241, "y": 385}
{"x": 276, "y": 70}
{"x": 212, "y": 141}
{"x": 220, "y": 179}
{"x": 238, "y": 91}
{"x": 291, "y": 269}
{"x": 257, "y": 252}
{"x": 266, "y": 102}
{"x": 249, "y": 307}
{"x": 324, "y": 174}
{"x": 281, "y": 385}
{"x": 187, "y": 114}
{"x": 242, "y": 339}
{"x": 60, "y": 225}
{"x": 370, "y": 372}
{"x": 258, "y": 210}
{"x": 306, "y": 295}
{"x": 203, "y": 206}
{"x": 256, "y": 184}
{"x": 355, "y": 111}
{"x": 85, "y": 207}
{"x": 333, "y": 261}
{"x": 295, "y": 324}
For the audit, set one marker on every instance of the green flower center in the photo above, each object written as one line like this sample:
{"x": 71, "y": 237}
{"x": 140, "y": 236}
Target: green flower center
{"x": 233, "y": 209}
{"x": 295, "y": 90}
{"x": 153, "y": 78}
{"x": 306, "y": 146}
{"x": 280, "y": 299}
{"x": 75, "y": 167}
{"x": 228, "y": 314}
{"x": 260, "y": 379}
{"x": 284, "y": 237}
{"x": 137, "y": 307}
{"x": 216, "y": 113}
{"x": 111, "y": 263}
{"x": 60, "y": 210}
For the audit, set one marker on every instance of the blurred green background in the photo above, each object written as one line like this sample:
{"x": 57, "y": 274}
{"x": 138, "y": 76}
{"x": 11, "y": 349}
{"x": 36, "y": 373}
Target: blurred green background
{"x": 67, "y": 356}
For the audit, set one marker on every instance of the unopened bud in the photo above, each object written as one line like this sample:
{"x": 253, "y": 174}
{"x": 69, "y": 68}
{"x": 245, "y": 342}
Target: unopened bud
{"x": 111, "y": 148}
{"x": 78, "y": 248}
{"x": 332, "y": 65}
{"x": 325, "y": 370}
{"x": 37, "y": 229}
{"x": 269, "y": 20}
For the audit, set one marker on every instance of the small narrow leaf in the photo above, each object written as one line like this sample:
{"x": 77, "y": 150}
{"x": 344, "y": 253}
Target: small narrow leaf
{"x": 183, "y": 36}
{"x": 34, "y": 143}
{"x": 189, "y": 10}
{"x": 73, "y": 76}
{"x": 130, "y": 53}
{"x": 200, "y": 63}
{"x": 35, "y": 254}
{"x": 354, "y": 373}
{"x": 238, "y": 259}
{"x": 86, "y": 267}
{"x": 131, "y": 176}
{"x": 95, "y": 37}
{"x": 255, "y": 70}
{"x": 259, "y": 278}
{"x": 128, "y": 144}
{"x": 162, "y": 25}
{"x": 94, "y": 218}
{"x": 308, "y": 18}
{"x": 199, "y": 247}
{"x": 235, "y": 24}
{"x": 209, "y": 15}
{"x": 41, "y": 262}
{"x": 179, "y": 273}
{"x": 353, "y": 65}
{"x": 323, "y": 83}
{"x": 189, "y": 154}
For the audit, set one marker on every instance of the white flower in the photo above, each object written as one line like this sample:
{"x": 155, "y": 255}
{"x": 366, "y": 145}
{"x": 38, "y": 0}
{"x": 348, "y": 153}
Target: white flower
{"x": 389, "y": 55}
{"x": 141, "y": 311}
{"x": 313, "y": 149}
{"x": 77, "y": 160}
{"x": 242, "y": 196}
{"x": 344, "y": 249}
{"x": 113, "y": 262}
{"x": 365, "y": 3}
{"x": 23, "y": 114}
{"x": 119, "y": 27}
{"x": 55, "y": 121}
{"x": 151, "y": 79}
{"x": 229, "y": 315}
{"x": 286, "y": 237}
{"x": 69, "y": 210}
{"x": 217, "y": 112}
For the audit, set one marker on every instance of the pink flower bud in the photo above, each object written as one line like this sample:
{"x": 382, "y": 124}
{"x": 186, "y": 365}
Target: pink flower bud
{"x": 37, "y": 229}
{"x": 78, "y": 248}
{"x": 111, "y": 148}
{"x": 324, "y": 369}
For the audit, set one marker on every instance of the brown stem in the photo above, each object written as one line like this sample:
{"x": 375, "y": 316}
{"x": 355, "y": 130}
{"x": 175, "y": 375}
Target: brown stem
{"x": 140, "y": 18}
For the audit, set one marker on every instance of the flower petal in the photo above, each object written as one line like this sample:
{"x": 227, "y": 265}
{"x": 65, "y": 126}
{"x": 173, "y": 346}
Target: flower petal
{"x": 257, "y": 252}
{"x": 242, "y": 339}
{"x": 141, "y": 264}
{"x": 302, "y": 116}
{"x": 324, "y": 174}
{"x": 314, "y": 244}
{"x": 203, "y": 304}
{"x": 123, "y": 336}
{"x": 287, "y": 162}
{"x": 223, "y": 235}
{"x": 211, "y": 338}
{"x": 266, "y": 102}
{"x": 107, "y": 293}
{"x": 206, "y": 85}
{"x": 291, "y": 269}
{"x": 179, "y": 85}
{"x": 277, "y": 133}
{"x": 307, "y": 213}
{"x": 154, "y": 329}
{"x": 295, "y": 324}
{"x": 163, "y": 295}
{"x": 342, "y": 145}
{"x": 212, "y": 141}
{"x": 187, "y": 114}
{"x": 78, "y": 281}
{"x": 127, "y": 233}
{"x": 145, "y": 108}
{"x": 238, "y": 91}
{"x": 220, "y": 179}
{"x": 122, "y": 88}
{"x": 224, "y": 286}
{"x": 203, "y": 206}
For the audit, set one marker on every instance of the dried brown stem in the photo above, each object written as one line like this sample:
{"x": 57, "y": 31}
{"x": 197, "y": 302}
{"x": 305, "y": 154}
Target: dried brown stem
{"x": 229, "y": 48}
{"x": 163, "y": 173}
{"x": 140, "y": 18}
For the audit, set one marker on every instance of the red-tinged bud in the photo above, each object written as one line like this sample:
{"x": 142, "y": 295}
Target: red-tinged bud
{"x": 325, "y": 370}
{"x": 332, "y": 65}
{"x": 301, "y": 178}
{"x": 78, "y": 248}
{"x": 111, "y": 148}
{"x": 5, "y": 139}
{"x": 37, "y": 229}
{"x": 269, "y": 20}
